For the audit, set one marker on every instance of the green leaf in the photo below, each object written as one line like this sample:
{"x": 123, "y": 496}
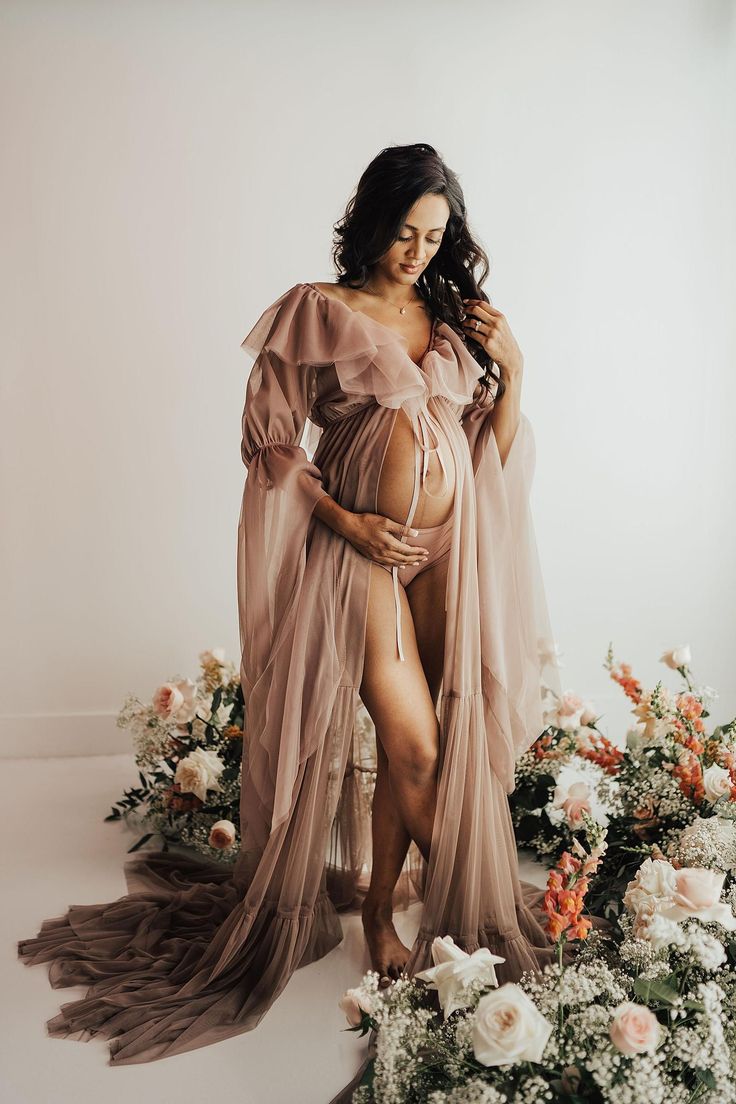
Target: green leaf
{"x": 655, "y": 990}
{"x": 140, "y": 842}
{"x": 705, "y": 1076}
{"x": 368, "y": 1074}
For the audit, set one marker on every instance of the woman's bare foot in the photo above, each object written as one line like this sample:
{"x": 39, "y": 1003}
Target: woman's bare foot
{"x": 388, "y": 954}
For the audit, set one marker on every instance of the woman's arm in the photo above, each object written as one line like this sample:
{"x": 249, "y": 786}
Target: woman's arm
{"x": 333, "y": 514}
{"x": 506, "y": 413}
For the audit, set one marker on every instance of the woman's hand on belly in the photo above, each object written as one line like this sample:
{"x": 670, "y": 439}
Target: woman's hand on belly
{"x": 379, "y": 539}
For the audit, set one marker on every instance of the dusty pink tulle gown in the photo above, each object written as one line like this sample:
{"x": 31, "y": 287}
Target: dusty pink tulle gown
{"x": 195, "y": 952}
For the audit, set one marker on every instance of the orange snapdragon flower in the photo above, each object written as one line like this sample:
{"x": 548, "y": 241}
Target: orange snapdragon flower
{"x": 564, "y": 898}
{"x": 631, "y": 686}
{"x": 599, "y": 749}
{"x": 689, "y": 775}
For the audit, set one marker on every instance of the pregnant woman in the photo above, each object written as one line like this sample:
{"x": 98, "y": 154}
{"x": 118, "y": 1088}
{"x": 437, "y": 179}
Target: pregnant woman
{"x": 396, "y": 566}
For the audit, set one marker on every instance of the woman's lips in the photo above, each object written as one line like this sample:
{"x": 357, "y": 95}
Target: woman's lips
{"x": 411, "y": 268}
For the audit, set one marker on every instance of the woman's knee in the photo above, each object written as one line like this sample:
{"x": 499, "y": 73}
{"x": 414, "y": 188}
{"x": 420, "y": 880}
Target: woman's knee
{"x": 414, "y": 760}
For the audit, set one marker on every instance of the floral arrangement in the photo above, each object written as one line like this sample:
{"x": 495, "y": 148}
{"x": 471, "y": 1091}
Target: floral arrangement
{"x": 670, "y": 772}
{"x": 188, "y": 743}
{"x": 641, "y": 1014}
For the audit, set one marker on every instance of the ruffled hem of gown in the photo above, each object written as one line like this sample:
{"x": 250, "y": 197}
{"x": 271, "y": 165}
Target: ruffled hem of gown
{"x": 125, "y": 953}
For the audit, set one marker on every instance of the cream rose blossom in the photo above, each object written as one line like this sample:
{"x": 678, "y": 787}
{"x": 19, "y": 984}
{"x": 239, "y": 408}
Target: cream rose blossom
{"x": 634, "y": 1029}
{"x": 716, "y": 782}
{"x": 199, "y": 772}
{"x": 509, "y": 1028}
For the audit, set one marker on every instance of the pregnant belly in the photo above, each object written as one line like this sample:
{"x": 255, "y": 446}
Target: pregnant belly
{"x": 396, "y": 480}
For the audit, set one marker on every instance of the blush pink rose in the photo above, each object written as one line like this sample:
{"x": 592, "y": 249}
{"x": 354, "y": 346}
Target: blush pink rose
{"x": 697, "y": 888}
{"x": 576, "y": 803}
{"x": 167, "y": 700}
{"x": 634, "y": 1029}
{"x": 354, "y": 1002}
{"x": 176, "y": 701}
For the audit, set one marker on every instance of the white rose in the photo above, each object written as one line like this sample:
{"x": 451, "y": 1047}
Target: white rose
{"x": 677, "y": 657}
{"x": 508, "y": 1028}
{"x": 716, "y": 782}
{"x": 654, "y": 882}
{"x": 454, "y": 968}
{"x": 199, "y": 772}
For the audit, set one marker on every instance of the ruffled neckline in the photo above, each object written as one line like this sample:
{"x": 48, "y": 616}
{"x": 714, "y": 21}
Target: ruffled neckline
{"x": 446, "y": 368}
{"x": 389, "y": 329}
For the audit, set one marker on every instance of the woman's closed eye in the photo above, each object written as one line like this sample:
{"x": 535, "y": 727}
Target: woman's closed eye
{"x": 429, "y": 240}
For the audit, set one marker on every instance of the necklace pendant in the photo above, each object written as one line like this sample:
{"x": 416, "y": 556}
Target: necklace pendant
{"x": 402, "y": 310}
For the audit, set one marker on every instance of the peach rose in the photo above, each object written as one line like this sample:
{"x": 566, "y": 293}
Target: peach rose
{"x": 634, "y": 1029}
{"x": 576, "y": 803}
{"x": 222, "y": 835}
{"x": 176, "y": 701}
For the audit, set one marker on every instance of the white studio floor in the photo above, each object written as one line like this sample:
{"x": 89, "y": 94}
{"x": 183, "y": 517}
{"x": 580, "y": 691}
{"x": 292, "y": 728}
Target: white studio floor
{"x": 58, "y": 851}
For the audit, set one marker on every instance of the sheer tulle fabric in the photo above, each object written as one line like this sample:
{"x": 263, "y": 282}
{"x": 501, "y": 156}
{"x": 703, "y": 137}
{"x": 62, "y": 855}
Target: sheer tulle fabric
{"x": 195, "y": 953}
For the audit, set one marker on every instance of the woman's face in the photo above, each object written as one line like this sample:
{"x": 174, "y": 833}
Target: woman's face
{"x": 418, "y": 241}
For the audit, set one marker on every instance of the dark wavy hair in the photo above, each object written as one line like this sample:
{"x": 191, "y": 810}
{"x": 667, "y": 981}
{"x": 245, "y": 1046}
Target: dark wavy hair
{"x": 387, "y": 190}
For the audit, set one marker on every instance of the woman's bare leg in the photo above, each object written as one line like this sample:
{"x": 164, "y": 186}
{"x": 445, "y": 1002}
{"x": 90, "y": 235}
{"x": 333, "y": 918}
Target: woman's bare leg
{"x": 401, "y": 699}
{"x": 390, "y": 845}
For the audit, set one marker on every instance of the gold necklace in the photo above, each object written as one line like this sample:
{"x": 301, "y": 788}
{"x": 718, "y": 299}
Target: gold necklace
{"x": 401, "y": 310}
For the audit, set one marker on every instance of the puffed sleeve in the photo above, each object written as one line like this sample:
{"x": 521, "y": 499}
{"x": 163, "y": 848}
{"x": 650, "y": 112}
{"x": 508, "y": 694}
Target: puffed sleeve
{"x": 516, "y": 633}
{"x": 282, "y": 484}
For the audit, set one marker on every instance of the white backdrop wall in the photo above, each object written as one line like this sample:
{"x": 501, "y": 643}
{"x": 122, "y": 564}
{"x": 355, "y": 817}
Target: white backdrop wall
{"x": 171, "y": 168}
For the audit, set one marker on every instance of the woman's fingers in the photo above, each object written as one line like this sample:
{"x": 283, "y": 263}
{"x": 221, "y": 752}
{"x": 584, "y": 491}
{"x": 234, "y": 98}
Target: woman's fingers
{"x": 400, "y": 551}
